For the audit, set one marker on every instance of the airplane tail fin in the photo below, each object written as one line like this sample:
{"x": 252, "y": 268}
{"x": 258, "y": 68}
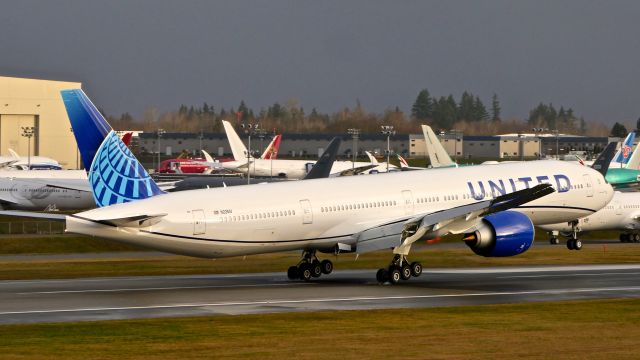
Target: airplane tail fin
{"x": 372, "y": 159}
{"x": 634, "y": 160}
{"x": 271, "y": 152}
{"x": 437, "y": 154}
{"x": 322, "y": 167}
{"x": 601, "y": 164}
{"x": 624, "y": 153}
{"x": 237, "y": 146}
{"x": 14, "y": 154}
{"x": 403, "y": 162}
{"x": 126, "y": 138}
{"x": 115, "y": 175}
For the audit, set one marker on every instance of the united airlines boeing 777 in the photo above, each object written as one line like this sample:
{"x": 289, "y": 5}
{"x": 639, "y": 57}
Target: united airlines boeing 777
{"x": 494, "y": 208}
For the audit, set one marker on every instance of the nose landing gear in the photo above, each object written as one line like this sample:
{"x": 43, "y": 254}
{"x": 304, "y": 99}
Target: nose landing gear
{"x": 309, "y": 267}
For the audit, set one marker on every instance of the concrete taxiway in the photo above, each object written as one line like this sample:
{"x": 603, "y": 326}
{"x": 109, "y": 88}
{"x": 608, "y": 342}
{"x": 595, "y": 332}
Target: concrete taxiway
{"x": 166, "y": 296}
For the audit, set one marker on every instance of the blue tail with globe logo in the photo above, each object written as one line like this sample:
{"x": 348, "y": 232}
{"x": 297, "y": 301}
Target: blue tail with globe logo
{"x": 115, "y": 175}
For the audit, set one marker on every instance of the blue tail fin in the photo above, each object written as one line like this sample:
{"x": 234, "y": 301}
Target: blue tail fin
{"x": 115, "y": 174}
{"x": 624, "y": 153}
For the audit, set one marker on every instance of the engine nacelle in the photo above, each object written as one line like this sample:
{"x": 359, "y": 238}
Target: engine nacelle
{"x": 506, "y": 233}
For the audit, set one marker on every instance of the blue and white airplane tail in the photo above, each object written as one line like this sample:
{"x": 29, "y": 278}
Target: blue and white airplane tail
{"x": 624, "y": 153}
{"x": 115, "y": 175}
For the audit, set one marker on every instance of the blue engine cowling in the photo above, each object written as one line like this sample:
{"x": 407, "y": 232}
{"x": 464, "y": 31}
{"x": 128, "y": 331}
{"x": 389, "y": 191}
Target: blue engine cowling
{"x": 506, "y": 233}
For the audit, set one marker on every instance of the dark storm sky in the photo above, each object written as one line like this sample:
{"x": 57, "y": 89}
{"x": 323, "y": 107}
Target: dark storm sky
{"x": 132, "y": 55}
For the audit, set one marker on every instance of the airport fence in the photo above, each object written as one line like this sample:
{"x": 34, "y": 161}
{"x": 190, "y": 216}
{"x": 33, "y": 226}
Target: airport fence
{"x": 32, "y": 227}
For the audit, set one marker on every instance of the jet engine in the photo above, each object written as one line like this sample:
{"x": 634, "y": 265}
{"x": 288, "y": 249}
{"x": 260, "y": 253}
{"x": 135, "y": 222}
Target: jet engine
{"x": 505, "y": 233}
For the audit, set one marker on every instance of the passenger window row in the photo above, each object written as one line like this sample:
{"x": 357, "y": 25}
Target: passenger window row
{"x": 259, "y": 216}
{"x": 358, "y": 206}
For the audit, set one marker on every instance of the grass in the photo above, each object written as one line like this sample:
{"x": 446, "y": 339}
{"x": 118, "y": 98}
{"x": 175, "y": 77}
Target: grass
{"x": 431, "y": 256}
{"x": 601, "y": 329}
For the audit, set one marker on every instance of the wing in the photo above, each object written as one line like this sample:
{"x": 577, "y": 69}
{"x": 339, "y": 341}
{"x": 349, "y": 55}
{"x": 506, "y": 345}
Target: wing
{"x": 457, "y": 220}
{"x": 355, "y": 171}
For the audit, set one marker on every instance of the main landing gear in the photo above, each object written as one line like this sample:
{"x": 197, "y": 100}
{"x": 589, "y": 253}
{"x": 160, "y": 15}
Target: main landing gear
{"x": 399, "y": 269}
{"x": 309, "y": 267}
{"x": 627, "y": 238}
{"x": 573, "y": 243}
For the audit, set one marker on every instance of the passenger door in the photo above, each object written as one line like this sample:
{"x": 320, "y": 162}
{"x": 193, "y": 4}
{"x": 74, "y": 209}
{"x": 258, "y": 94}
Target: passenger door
{"x": 199, "y": 222}
{"x": 588, "y": 183}
{"x": 407, "y": 198}
{"x": 307, "y": 213}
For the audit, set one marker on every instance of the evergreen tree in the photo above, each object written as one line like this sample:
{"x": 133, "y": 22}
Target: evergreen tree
{"x": 423, "y": 106}
{"x": 466, "y": 109}
{"x": 619, "y": 130}
{"x": 480, "y": 111}
{"x": 583, "y": 126}
{"x": 495, "y": 108}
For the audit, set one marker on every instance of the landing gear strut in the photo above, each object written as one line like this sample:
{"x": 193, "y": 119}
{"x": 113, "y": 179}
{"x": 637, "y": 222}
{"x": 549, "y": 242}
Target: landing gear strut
{"x": 399, "y": 269}
{"x": 309, "y": 267}
{"x": 573, "y": 243}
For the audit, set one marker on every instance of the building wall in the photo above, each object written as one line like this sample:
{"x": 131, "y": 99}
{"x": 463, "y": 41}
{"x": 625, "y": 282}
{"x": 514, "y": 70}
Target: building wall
{"x": 33, "y": 102}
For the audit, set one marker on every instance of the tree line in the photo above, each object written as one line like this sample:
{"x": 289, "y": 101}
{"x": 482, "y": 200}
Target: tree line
{"x": 468, "y": 114}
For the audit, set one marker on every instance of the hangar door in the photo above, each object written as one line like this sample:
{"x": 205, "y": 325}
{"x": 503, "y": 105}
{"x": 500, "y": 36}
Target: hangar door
{"x": 11, "y": 134}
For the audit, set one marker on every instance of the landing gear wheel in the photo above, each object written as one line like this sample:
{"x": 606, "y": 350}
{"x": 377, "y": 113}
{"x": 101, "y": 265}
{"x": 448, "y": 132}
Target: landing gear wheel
{"x": 577, "y": 244}
{"x": 625, "y": 238}
{"x": 405, "y": 272}
{"x": 306, "y": 272}
{"x": 316, "y": 270}
{"x": 570, "y": 244}
{"x": 326, "y": 266}
{"x": 382, "y": 275}
{"x": 636, "y": 238}
{"x": 416, "y": 269}
{"x": 394, "y": 275}
{"x": 293, "y": 273}
{"x": 554, "y": 241}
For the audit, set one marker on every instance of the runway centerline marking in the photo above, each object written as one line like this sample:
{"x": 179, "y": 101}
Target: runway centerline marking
{"x": 162, "y": 288}
{"x": 328, "y": 300}
{"x": 567, "y": 275}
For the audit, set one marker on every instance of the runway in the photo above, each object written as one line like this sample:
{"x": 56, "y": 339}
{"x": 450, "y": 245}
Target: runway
{"x": 169, "y": 296}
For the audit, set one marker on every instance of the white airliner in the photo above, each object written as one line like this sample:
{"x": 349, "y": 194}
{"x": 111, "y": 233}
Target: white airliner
{"x": 17, "y": 162}
{"x": 622, "y": 213}
{"x": 494, "y": 207}
{"x": 45, "y": 194}
{"x": 291, "y": 169}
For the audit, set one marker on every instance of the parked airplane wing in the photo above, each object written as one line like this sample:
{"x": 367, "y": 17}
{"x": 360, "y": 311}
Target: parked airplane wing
{"x": 462, "y": 219}
{"x": 354, "y": 171}
{"x": 35, "y": 215}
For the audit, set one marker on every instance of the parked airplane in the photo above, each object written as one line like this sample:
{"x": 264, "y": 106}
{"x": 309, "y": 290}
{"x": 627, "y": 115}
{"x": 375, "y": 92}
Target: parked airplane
{"x": 623, "y": 155}
{"x": 626, "y": 176}
{"x": 622, "y": 213}
{"x": 495, "y": 208}
{"x": 17, "y": 162}
{"x": 45, "y": 194}
{"x": 291, "y": 169}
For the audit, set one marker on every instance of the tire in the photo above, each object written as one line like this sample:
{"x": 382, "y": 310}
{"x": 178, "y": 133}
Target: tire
{"x": 416, "y": 269}
{"x": 382, "y": 275}
{"x": 326, "y": 266}
{"x": 394, "y": 275}
{"x": 636, "y": 237}
{"x": 405, "y": 272}
{"x": 570, "y": 244}
{"x": 293, "y": 273}
{"x": 624, "y": 238}
{"x": 553, "y": 240}
{"x": 577, "y": 244}
{"x": 305, "y": 272}
{"x": 316, "y": 269}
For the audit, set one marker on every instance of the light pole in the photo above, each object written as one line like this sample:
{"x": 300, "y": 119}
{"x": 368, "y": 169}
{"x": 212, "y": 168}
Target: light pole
{"x": 355, "y": 135}
{"x": 160, "y": 133}
{"x": 28, "y": 132}
{"x": 538, "y": 131}
{"x": 200, "y": 137}
{"x": 388, "y": 130}
{"x": 249, "y": 129}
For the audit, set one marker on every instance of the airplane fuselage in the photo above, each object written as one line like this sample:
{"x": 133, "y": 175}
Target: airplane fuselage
{"x": 323, "y": 213}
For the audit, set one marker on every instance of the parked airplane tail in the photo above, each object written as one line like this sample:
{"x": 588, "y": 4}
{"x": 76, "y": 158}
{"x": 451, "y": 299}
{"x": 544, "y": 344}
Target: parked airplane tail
{"x": 237, "y": 146}
{"x": 437, "y": 154}
{"x": 271, "y": 152}
{"x": 115, "y": 175}
{"x": 634, "y": 160}
{"x": 624, "y": 153}
{"x": 403, "y": 162}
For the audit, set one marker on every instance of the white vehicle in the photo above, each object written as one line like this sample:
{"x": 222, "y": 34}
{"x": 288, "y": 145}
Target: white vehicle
{"x": 622, "y": 213}
{"x": 291, "y": 169}
{"x": 495, "y": 208}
